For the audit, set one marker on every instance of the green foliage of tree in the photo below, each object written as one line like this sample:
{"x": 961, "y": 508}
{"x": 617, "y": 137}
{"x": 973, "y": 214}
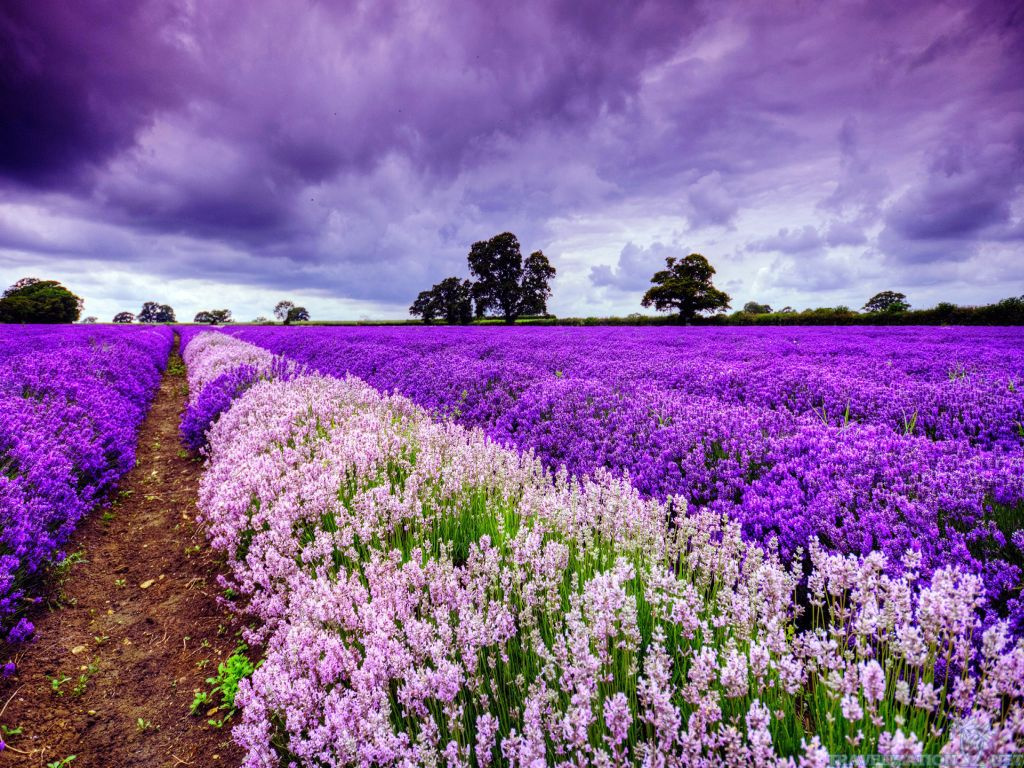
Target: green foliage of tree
{"x": 24, "y": 282}
{"x": 887, "y": 301}
{"x": 425, "y": 306}
{"x": 296, "y": 315}
{"x": 497, "y": 265}
{"x": 287, "y": 312}
{"x": 213, "y": 317}
{"x": 451, "y": 299}
{"x": 535, "y": 288}
{"x": 124, "y": 318}
{"x": 153, "y": 312}
{"x": 753, "y": 308}
{"x": 685, "y": 286}
{"x": 31, "y": 300}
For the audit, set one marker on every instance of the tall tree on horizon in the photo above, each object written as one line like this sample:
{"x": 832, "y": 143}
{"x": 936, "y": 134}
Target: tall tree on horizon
{"x": 685, "y": 286}
{"x": 887, "y": 301}
{"x": 425, "y": 306}
{"x": 497, "y": 265}
{"x": 282, "y": 309}
{"x": 537, "y": 274}
{"x": 154, "y": 312}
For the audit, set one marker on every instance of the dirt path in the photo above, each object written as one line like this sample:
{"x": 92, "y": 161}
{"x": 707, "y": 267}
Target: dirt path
{"x": 134, "y": 626}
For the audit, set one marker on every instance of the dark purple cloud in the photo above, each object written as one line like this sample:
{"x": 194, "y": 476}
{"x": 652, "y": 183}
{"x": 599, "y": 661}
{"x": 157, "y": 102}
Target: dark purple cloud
{"x": 79, "y": 80}
{"x": 354, "y": 150}
{"x": 965, "y": 197}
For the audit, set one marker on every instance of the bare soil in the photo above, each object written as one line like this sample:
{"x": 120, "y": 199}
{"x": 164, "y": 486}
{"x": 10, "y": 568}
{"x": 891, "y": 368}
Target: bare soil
{"x": 135, "y": 625}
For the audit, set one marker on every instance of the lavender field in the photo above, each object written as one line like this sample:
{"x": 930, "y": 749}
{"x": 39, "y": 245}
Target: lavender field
{"x": 618, "y": 546}
{"x": 869, "y": 440}
{"x": 71, "y": 402}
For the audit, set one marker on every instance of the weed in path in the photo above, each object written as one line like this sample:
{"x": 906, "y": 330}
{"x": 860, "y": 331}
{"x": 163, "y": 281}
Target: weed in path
{"x": 56, "y": 682}
{"x": 83, "y": 679}
{"x": 225, "y": 686}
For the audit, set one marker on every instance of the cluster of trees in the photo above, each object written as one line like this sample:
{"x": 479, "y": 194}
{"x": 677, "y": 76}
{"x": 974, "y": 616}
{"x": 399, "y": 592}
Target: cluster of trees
{"x": 213, "y": 317}
{"x": 288, "y": 313}
{"x": 31, "y": 300}
{"x": 153, "y": 312}
{"x": 504, "y": 285}
{"x": 1008, "y": 311}
{"x": 884, "y": 302}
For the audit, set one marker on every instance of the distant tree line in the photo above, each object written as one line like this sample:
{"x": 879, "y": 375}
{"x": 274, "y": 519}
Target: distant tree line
{"x": 891, "y": 309}
{"x": 213, "y": 317}
{"x": 154, "y": 312}
{"x": 504, "y": 285}
{"x": 510, "y": 289}
{"x": 1005, "y": 312}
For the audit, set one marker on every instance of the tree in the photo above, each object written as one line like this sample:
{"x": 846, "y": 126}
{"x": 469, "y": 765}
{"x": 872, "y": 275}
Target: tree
{"x": 90, "y": 320}
{"x": 497, "y": 265}
{"x": 753, "y": 308}
{"x": 296, "y": 315}
{"x": 454, "y": 300}
{"x": 537, "y": 272}
{"x": 124, "y": 317}
{"x": 787, "y": 310}
{"x": 213, "y": 316}
{"x": 425, "y": 306}
{"x": 451, "y": 299}
{"x": 152, "y": 312}
{"x": 39, "y": 301}
{"x": 25, "y": 282}
{"x": 282, "y": 309}
{"x": 887, "y": 301}
{"x": 685, "y": 286}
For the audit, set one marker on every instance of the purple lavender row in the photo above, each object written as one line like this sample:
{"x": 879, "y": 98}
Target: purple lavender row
{"x": 220, "y": 370}
{"x": 71, "y": 402}
{"x": 870, "y": 440}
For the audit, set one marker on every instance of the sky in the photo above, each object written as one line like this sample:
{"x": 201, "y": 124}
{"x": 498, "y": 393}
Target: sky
{"x": 345, "y": 155}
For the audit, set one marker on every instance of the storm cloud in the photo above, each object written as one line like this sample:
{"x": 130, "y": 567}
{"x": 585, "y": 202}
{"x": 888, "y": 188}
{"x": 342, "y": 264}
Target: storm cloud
{"x": 348, "y": 153}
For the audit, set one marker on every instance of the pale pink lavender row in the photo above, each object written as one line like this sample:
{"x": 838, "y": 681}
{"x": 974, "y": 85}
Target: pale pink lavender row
{"x": 71, "y": 402}
{"x": 219, "y": 370}
{"x": 868, "y": 439}
{"x": 580, "y": 626}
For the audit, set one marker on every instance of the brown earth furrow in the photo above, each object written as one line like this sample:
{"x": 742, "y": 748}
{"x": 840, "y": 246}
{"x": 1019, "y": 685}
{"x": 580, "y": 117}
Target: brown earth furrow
{"x": 141, "y": 651}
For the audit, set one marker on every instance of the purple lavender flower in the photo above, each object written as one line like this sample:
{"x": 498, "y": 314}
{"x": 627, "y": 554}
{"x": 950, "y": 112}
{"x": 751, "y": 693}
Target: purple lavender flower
{"x": 71, "y": 402}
